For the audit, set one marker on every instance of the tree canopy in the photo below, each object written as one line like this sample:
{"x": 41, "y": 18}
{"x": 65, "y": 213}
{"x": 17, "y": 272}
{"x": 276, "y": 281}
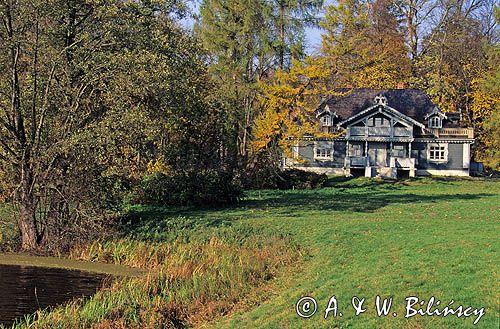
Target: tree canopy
{"x": 104, "y": 103}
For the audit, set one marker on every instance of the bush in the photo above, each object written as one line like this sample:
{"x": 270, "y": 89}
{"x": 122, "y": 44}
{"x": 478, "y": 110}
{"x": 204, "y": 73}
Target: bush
{"x": 205, "y": 187}
{"x": 266, "y": 178}
{"x": 294, "y": 178}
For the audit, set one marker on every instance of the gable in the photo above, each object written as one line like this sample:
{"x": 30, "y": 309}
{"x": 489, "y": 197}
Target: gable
{"x": 381, "y": 111}
{"x": 411, "y": 103}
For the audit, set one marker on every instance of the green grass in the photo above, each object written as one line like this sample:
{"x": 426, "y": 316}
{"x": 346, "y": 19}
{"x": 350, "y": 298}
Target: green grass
{"x": 415, "y": 238}
{"x": 361, "y": 237}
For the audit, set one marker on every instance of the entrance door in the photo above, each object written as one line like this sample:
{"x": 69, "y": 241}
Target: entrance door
{"x": 377, "y": 152}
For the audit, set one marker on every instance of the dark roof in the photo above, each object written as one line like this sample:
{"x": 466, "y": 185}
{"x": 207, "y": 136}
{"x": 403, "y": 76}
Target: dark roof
{"x": 410, "y": 102}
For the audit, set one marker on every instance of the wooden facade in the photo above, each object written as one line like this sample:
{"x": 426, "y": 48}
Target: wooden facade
{"x": 377, "y": 139}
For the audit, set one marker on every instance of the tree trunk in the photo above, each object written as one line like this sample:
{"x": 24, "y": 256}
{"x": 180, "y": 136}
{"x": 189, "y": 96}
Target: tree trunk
{"x": 282, "y": 37}
{"x": 26, "y": 223}
{"x": 27, "y": 209}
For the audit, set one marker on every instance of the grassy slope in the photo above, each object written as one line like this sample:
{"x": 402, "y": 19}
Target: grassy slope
{"x": 365, "y": 237}
{"x": 424, "y": 238}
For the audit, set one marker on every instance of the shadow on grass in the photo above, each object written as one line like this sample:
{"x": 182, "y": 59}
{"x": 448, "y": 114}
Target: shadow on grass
{"x": 349, "y": 195}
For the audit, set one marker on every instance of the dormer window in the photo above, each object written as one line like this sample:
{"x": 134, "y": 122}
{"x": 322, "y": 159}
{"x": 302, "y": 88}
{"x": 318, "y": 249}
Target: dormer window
{"x": 435, "y": 122}
{"x": 326, "y": 120}
{"x": 435, "y": 118}
{"x": 381, "y": 100}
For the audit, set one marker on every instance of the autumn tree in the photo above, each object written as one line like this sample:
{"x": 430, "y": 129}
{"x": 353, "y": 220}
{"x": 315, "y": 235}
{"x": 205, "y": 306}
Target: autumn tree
{"x": 289, "y": 106}
{"x": 448, "y": 68}
{"x": 366, "y": 44}
{"x": 485, "y": 105}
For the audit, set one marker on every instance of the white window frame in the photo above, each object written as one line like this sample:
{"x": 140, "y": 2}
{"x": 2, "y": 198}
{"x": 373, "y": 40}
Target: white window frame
{"x": 326, "y": 120}
{"x": 435, "y": 122}
{"x": 355, "y": 147}
{"x": 323, "y": 150}
{"x": 443, "y": 152}
{"x": 398, "y": 151}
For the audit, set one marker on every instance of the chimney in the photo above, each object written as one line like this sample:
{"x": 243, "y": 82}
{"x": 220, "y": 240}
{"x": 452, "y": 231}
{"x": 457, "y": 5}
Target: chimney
{"x": 401, "y": 85}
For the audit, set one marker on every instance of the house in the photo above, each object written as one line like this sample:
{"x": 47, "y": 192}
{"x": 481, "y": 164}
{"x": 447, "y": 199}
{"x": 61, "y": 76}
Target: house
{"x": 387, "y": 133}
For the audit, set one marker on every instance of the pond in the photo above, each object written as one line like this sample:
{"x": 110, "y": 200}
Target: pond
{"x": 25, "y": 289}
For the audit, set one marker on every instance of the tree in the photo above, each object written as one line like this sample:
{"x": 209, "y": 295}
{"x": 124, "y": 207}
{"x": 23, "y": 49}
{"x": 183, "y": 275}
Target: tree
{"x": 90, "y": 94}
{"x": 290, "y": 17}
{"x": 365, "y": 43}
{"x": 485, "y": 106}
{"x": 43, "y": 92}
{"x": 418, "y": 15}
{"x": 449, "y": 67}
{"x": 237, "y": 38}
{"x": 491, "y": 152}
{"x": 247, "y": 41}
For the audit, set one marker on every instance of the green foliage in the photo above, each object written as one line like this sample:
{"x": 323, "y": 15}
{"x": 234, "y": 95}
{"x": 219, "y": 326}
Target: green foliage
{"x": 94, "y": 92}
{"x": 268, "y": 178}
{"x": 204, "y": 187}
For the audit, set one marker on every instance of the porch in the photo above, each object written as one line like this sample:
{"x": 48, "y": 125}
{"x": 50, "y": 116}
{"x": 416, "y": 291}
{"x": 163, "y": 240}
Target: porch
{"x": 380, "y": 159}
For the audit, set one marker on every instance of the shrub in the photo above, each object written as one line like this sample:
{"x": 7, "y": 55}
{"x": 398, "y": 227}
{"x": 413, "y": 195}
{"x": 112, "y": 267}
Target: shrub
{"x": 287, "y": 179}
{"x": 204, "y": 187}
{"x": 294, "y": 178}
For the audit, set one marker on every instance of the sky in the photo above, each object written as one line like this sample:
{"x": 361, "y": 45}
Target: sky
{"x": 313, "y": 40}
{"x": 313, "y": 35}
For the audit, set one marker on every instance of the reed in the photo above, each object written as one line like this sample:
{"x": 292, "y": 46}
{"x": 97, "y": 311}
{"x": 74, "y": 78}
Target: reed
{"x": 185, "y": 283}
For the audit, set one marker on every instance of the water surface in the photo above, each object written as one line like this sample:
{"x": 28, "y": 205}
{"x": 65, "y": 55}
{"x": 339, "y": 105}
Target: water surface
{"x": 24, "y": 289}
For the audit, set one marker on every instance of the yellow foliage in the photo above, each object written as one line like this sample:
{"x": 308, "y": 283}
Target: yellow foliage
{"x": 289, "y": 103}
{"x": 158, "y": 166}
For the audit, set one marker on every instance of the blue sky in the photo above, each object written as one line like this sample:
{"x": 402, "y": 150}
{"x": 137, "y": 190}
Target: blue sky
{"x": 313, "y": 40}
{"x": 313, "y": 36}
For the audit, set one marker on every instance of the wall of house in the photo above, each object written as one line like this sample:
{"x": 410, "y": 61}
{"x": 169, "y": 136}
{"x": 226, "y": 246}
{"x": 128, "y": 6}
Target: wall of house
{"x": 453, "y": 166}
{"x": 306, "y": 153}
{"x": 455, "y": 157}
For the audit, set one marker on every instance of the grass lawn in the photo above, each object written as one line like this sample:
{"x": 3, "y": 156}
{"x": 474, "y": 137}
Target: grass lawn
{"x": 424, "y": 238}
{"x": 416, "y": 238}
{"x": 360, "y": 237}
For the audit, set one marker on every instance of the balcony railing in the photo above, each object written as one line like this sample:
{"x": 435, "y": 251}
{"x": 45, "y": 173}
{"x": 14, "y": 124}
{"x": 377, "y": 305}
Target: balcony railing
{"x": 357, "y": 131}
{"x": 451, "y": 132}
{"x": 397, "y": 162}
{"x": 380, "y": 131}
{"x": 356, "y": 161}
{"x": 403, "y": 132}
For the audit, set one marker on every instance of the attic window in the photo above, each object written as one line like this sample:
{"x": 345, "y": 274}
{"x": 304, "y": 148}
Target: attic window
{"x": 378, "y": 122}
{"x": 326, "y": 120}
{"x": 435, "y": 122}
{"x": 380, "y": 100}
